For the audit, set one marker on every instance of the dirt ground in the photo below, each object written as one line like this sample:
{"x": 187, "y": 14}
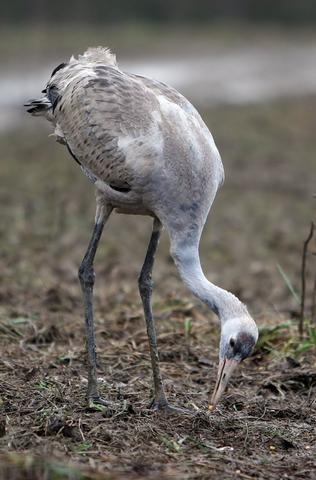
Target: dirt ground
{"x": 265, "y": 428}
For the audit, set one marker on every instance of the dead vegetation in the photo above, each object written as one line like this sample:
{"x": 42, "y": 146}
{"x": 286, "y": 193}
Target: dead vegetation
{"x": 265, "y": 427}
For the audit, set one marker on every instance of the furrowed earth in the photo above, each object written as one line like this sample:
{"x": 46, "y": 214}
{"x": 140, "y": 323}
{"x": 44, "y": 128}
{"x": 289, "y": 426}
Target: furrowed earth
{"x": 265, "y": 427}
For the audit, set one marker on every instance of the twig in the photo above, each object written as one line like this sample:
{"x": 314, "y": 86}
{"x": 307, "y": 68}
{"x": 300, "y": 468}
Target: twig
{"x": 313, "y": 310}
{"x": 246, "y": 436}
{"x": 80, "y": 430}
{"x": 303, "y": 279}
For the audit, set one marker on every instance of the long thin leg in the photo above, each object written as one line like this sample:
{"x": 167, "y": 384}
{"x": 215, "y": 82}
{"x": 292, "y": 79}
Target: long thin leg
{"x": 145, "y": 289}
{"x": 86, "y": 277}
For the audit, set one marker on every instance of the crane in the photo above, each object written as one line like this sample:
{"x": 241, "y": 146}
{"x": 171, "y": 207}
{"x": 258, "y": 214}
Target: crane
{"x": 147, "y": 151}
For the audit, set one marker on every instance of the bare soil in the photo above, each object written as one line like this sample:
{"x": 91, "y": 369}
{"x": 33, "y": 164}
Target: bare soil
{"x": 265, "y": 428}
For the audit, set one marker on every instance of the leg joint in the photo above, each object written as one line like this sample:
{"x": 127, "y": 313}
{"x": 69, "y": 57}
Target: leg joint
{"x": 86, "y": 274}
{"x": 145, "y": 284}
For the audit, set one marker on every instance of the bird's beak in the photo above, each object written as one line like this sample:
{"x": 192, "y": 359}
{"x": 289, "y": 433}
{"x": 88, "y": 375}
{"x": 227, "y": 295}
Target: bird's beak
{"x": 225, "y": 370}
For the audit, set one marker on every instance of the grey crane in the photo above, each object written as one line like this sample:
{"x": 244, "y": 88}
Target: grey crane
{"x": 148, "y": 152}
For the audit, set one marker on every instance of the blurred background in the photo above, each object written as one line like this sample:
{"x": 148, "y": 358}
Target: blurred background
{"x": 216, "y": 52}
{"x": 249, "y": 67}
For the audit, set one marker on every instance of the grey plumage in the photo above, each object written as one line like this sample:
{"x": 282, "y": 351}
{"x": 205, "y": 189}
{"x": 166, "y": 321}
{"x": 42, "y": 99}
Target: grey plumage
{"x": 147, "y": 151}
{"x": 114, "y": 122}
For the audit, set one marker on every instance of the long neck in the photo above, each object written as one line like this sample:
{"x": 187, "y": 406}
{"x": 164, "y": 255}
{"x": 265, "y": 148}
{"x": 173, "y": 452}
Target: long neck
{"x": 222, "y": 302}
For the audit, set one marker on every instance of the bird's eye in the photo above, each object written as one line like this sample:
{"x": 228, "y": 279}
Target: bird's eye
{"x": 232, "y": 342}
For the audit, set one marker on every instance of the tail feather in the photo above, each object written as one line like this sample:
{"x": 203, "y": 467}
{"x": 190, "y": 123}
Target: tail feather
{"x": 39, "y": 106}
{"x": 97, "y": 54}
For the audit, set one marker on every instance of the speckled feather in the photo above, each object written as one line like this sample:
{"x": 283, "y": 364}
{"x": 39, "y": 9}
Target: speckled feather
{"x": 133, "y": 132}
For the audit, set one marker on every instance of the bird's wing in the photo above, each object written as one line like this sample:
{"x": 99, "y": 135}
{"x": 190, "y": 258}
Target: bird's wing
{"x": 101, "y": 112}
{"x": 170, "y": 93}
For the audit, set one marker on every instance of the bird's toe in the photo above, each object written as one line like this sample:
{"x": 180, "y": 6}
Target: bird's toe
{"x": 97, "y": 403}
{"x": 168, "y": 409}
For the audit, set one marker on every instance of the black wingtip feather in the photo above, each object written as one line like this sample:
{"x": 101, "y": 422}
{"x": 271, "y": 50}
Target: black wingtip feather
{"x": 38, "y": 106}
{"x": 59, "y": 67}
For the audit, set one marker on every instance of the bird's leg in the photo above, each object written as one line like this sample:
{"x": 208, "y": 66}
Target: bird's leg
{"x": 145, "y": 289}
{"x": 86, "y": 277}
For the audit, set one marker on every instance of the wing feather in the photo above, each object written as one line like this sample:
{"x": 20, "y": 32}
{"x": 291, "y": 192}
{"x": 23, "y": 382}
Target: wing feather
{"x": 98, "y": 112}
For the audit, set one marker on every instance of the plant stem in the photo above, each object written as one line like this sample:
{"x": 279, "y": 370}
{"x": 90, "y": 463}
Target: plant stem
{"x": 303, "y": 280}
{"x": 313, "y": 310}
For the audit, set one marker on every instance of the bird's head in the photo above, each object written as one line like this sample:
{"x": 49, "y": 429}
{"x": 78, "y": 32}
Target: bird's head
{"x": 238, "y": 339}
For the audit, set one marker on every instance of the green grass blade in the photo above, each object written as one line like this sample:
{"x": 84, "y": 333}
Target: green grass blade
{"x": 288, "y": 283}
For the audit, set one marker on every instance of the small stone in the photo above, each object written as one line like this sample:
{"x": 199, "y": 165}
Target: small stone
{"x": 272, "y": 447}
{"x": 211, "y": 408}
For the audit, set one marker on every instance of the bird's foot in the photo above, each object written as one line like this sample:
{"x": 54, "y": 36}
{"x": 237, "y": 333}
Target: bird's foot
{"x": 166, "y": 408}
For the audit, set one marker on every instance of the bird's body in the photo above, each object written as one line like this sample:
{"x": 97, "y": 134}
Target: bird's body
{"x": 147, "y": 151}
{"x": 138, "y": 136}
